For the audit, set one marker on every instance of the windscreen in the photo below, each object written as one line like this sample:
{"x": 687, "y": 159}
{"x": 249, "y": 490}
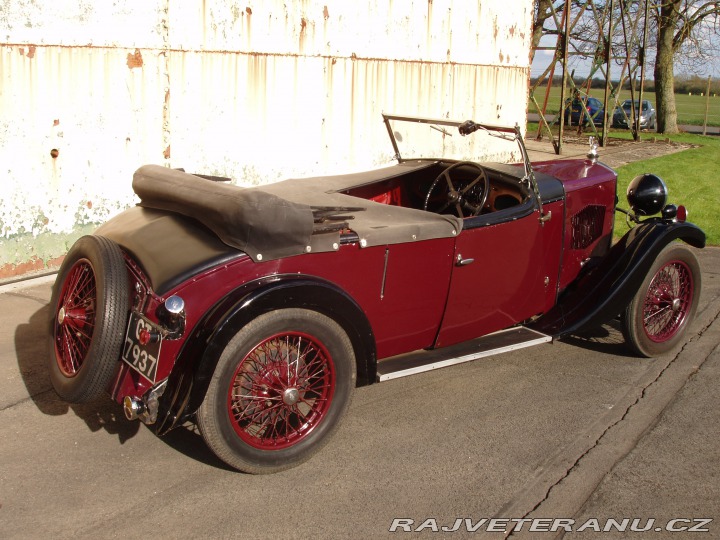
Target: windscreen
{"x": 417, "y": 138}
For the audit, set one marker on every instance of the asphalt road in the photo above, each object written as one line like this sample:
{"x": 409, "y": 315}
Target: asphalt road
{"x": 573, "y": 430}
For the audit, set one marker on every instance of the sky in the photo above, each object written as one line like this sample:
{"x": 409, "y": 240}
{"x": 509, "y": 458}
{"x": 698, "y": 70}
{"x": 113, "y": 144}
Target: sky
{"x": 582, "y": 67}
{"x": 709, "y": 38}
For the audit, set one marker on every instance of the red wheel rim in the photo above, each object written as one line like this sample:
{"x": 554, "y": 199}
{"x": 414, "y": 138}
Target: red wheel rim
{"x": 281, "y": 391}
{"x": 75, "y": 318}
{"x": 668, "y": 301}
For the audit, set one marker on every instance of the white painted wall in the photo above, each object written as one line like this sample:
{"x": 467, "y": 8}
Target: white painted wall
{"x": 254, "y": 90}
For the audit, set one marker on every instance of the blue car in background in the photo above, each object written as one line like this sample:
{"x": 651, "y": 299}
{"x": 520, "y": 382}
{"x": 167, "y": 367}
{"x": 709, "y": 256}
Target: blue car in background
{"x": 575, "y": 111}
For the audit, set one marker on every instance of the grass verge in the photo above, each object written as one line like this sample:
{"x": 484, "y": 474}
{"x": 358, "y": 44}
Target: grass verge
{"x": 693, "y": 180}
{"x": 690, "y": 108}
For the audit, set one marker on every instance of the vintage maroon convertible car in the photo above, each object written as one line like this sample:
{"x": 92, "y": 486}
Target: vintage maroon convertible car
{"x": 255, "y": 312}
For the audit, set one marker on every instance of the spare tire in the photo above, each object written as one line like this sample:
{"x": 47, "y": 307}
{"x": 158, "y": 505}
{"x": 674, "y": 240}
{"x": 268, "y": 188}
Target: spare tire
{"x": 89, "y": 311}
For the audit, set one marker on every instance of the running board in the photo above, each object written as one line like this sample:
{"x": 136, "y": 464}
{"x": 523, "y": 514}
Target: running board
{"x": 508, "y": 340}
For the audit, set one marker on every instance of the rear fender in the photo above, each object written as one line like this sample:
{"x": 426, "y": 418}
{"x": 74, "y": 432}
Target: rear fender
{"x": 196, "y": 362}
{"x": 603, "y": 291}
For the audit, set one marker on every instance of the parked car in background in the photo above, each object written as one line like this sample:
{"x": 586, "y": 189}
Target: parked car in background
{"x": 622, "y": 117}
{"x": 582, "y": 110}
{"x": 255, "y": 312}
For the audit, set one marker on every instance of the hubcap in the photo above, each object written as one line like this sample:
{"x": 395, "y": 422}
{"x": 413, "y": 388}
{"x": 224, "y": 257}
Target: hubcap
{"x": 291, "y": 396}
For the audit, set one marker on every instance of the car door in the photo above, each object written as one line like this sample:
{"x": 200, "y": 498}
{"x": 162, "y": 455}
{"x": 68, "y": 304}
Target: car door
{"x": 505, "y": 271}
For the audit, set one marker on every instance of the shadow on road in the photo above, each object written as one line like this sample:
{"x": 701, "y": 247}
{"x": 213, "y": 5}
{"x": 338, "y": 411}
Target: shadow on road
{"x": 32, "y": 345}
{"x": 187, "y": 440}
{"x": 606, "y": 339}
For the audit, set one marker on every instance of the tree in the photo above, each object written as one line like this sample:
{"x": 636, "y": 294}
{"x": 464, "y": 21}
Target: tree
{"x": 543, "y": 11}
{"x": 683, "y": 32}
{"x": 680, "y": 25}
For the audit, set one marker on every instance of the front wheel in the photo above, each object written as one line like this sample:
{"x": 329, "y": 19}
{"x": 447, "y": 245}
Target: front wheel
{"x": 279, "y": 391}
{"x": 656, "y": 319}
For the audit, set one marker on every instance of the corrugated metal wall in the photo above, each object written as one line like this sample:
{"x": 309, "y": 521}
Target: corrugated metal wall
{"x": 255, "y": 90}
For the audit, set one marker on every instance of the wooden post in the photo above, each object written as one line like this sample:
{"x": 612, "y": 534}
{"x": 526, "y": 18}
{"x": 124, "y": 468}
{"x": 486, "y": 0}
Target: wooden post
{"x": 608, "y": 61}
{"x": 566, "y": 37}
{"x": 707, "y": 106}
{"x": 641, "y": 59}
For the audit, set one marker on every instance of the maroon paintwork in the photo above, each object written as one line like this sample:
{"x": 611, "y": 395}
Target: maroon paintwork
{"x": 587, "y": 185}
{"x": 404, "y": 318}
{"x": 426, "y": 300}
{"x": 507, "y": 282}
{"x": 255, "y": 312}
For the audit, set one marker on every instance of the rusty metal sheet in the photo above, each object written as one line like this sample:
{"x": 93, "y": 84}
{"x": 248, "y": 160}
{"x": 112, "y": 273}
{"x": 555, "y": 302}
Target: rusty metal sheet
{"x": 254, "y": 91}
{"x": 75, "y": 123}
{"x": 309, "y": 115}
{"x": 121, "y": 23}
{"x": 491, "y": 32}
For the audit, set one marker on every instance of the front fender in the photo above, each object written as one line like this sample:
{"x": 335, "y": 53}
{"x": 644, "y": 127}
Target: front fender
{"x": 600, "y": 294}
{"x": 195, "y": 365}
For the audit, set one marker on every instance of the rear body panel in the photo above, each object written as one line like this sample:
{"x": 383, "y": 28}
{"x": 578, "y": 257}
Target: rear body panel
{"x": 401, "y": 288}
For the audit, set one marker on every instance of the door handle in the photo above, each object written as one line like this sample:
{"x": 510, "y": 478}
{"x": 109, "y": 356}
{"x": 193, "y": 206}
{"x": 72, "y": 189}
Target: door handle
{"x": 459, "y": 261}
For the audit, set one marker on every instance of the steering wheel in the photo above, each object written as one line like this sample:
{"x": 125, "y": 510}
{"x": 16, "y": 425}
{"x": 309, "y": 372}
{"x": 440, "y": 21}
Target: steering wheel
{"x": 470, "y": 197}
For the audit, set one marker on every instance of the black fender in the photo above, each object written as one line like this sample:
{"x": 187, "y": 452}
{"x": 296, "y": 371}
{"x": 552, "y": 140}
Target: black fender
{"x": 188, "y": 382}
{"x": 602, "y": 292}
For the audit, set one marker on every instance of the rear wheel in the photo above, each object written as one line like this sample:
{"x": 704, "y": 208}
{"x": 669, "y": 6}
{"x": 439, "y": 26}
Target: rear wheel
{"x": 280, "y": 388}
{"x": 89, "y": 310}
{"x": 656, "y": 319}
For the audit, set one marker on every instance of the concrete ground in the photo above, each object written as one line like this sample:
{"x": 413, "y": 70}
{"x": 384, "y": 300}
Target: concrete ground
{"x": 574, "y": 430}
{"x": 616, "y": 154}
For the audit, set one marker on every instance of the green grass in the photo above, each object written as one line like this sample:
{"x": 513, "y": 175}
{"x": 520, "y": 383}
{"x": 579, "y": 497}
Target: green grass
{"x": 691, "y": 109}
{"x": 692, "y": 177}
{"x": 693, "y": 180}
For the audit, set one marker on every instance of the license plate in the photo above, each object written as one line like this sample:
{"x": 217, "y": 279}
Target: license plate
{"x": 142, "y": 358}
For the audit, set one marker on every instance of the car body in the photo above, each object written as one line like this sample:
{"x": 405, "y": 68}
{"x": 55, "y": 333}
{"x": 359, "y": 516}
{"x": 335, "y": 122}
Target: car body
{"x": 255, "y": 312}
{"x": 583, "y": 110}
{"x": 623, "y": 115}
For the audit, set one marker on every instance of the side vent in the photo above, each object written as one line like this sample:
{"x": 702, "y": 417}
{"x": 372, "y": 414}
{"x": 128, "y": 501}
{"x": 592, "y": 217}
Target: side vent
{"x": 587, "y": 226}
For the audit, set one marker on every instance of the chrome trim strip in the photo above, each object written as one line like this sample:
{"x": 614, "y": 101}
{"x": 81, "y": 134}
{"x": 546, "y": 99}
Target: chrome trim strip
{"x": 507, "y": 340}
{"x": 382, "y": 285}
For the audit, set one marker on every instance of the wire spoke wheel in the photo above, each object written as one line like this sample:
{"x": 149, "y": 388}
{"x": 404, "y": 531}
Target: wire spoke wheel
{"x": 656, "y": 319}
{"x": 75, "y": 318}
{"x": 667, "y": 302}
{"x": 280, "y": 388}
